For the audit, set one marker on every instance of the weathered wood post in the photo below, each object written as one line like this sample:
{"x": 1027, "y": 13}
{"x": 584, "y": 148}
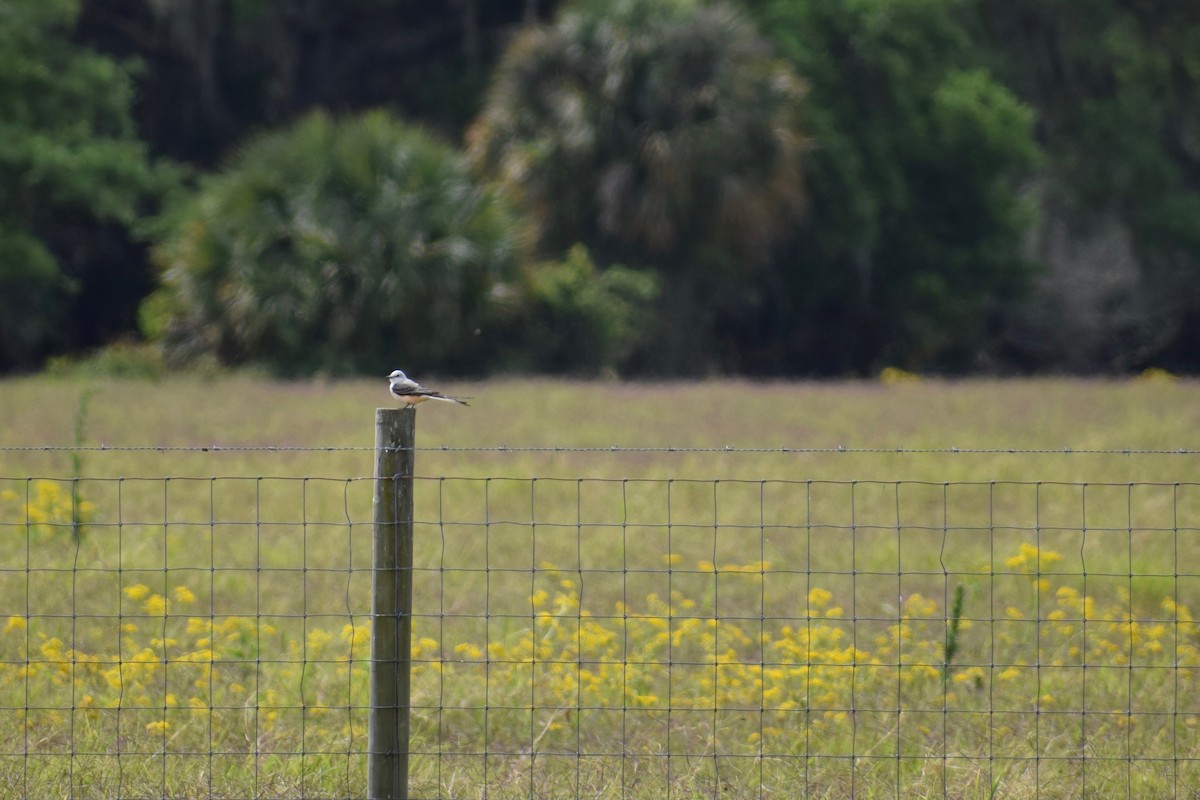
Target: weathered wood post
{"x": 391, "y": 605}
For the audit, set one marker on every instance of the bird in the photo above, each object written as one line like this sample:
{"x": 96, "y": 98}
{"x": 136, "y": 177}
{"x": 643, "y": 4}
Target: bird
{"x": 409, "y": 392}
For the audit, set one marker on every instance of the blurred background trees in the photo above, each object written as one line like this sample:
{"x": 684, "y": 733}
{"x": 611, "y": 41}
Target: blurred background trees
{"x": 1115, "y": 85}
{"x": 913, "y": 251}
{"x": 333, "y": 246}
{"x": 569, "y": 317}
{"x": 670, "y": 187}
{"x": 664, "y": 136}
{"x": 73, "y": 177}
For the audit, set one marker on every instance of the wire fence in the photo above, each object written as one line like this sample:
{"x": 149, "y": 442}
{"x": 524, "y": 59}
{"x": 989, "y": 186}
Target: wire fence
{"x": 579, "y": 634}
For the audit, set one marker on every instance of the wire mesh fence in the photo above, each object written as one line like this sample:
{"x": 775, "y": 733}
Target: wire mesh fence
{"x": 179, "y": 636}
{"x": 632, "y": 631}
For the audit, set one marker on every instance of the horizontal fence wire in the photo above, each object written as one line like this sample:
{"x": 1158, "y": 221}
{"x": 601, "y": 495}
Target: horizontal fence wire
{"x": 616, "y": 449}
{"x": 631, "y": 636}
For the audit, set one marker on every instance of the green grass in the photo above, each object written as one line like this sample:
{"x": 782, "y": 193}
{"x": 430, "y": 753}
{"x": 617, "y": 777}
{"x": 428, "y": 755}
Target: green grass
{"x": 606, "y": 623}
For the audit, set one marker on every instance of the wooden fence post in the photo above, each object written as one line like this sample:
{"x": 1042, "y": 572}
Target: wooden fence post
{"x": 391, "y": 605}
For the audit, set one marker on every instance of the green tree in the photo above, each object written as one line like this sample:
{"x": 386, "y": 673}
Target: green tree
{"x": 73, "y": 174}
{"x": 661, "y": 135}
{"x": 339, "y": 246}
{"x": 569, "y": 317}
{"x": 912, "y": 250}
{"x": 218, "y": 70}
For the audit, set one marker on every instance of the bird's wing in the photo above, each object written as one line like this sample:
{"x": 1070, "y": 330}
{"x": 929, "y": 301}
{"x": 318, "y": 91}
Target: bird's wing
{"x": 409, "y": 388}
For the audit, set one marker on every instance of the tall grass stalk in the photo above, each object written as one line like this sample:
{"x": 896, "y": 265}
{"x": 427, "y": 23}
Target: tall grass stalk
{"x": 953, "y": 624}
{"x": 77, "y": 460}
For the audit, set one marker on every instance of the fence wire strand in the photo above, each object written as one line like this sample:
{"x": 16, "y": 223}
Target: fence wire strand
{"x": 612, "y": 449}
{"x": 637, "y": 636}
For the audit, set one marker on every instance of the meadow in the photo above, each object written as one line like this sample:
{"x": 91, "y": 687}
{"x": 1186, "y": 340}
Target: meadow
{"x": 619, "y": 589}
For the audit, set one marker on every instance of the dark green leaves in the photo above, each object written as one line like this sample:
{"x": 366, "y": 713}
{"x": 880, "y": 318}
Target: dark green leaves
{"x": 69, "y": 164}
{"x": 336, "y": 245}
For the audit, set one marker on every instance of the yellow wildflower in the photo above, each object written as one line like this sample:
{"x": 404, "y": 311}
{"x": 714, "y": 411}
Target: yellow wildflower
{"x": 1033, "y": 557}
{"x": 819, "y": 598}
{"x": 890, "y": 376}
{"x": 317, "y": 639}
{"x": 196, "y": 626}
{"x": 356, "y": 635}
{"x": 156, "y": 605}
{"x": 52, "y": 649}
{"x": 468, "y": 650}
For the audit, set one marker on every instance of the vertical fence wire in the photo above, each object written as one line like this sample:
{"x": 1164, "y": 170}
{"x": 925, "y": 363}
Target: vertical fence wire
{"x": 637, "y": 636}
{"x": 1083, "y": 676}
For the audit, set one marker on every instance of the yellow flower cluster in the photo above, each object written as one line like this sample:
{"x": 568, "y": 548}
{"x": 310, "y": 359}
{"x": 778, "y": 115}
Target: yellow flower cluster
{"x": 813, "y": 674}
{"x": 763, "y": 685}
{"x": 181, "y": 670}
{"x": 50, "y": 507}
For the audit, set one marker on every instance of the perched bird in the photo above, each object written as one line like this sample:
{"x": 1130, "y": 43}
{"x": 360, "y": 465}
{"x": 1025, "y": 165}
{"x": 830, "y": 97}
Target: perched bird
{"x": 409, "y": 392}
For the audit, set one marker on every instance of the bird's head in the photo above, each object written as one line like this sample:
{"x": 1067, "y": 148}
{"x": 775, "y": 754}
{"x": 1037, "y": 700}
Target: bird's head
{"x": 397, "y": 375}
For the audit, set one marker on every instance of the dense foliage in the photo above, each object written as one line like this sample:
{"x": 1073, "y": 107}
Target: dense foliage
{"x": 569, "y": 317}
{"x": 1116, "y": 86}
{"x": 339, "y": 246}
{"x": 219, "y": 71}
{"x": 913, "y": 249}
{"x": 72, "y": 172}
{"x": 793, "y": 186}
{"x": 661, "y": 135}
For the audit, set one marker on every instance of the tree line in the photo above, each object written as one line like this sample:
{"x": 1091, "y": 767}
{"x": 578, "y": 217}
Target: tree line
{"x": 639, "y": 187}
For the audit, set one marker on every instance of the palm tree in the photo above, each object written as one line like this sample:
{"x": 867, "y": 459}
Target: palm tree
{"x": 334, "y": 245}
{"x": 658, "y": 133}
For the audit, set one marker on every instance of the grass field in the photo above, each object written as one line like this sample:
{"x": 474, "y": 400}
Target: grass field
{"x": 632, "y": 623}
